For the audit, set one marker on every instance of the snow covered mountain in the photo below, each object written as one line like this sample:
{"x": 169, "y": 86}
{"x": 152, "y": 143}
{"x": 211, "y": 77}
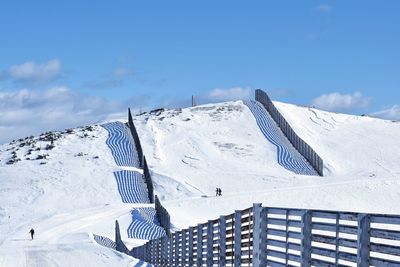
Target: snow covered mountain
{"x": 63, "y": 183}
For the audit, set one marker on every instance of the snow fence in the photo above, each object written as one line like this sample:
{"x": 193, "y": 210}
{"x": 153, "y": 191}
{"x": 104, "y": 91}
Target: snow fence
{"x": 287, "y": 155}
{"x": 266, "y": 236}
{"x": 304, "y": 149}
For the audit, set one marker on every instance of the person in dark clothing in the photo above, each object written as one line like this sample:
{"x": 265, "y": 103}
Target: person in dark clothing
{"x": 219, "y": 192}
{"x": 216, "y": 191}
{"x": 32, "y": 232}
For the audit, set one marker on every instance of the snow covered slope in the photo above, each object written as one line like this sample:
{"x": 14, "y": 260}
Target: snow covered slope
{"x": 72, "y": 192}
{"x": 62, "y": 185}
{"x": 194, "y": 150}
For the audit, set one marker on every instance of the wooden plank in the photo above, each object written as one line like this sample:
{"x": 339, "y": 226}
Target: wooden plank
{"x": 324, "y": 252}
{"x": 325, "y": 215}
{"x": 282, "y": 233}
{"x": 386, "y": 234}
{"x": 332, "y": 241}
{"x": 382, "y": 262}
{"x": 282, "y": 255}
{"x": 385, "y": 249}
{"x": 319, "y": 262}
{"x": 385, "y": 219}
{"x": 222, "y": 238}
{"x": 283, "y": 244}
{"x": 282, "y": 222}
{"x": 273, "y": 263}
{"x": 347, "y": 257}
{"x": 332, "y": 228}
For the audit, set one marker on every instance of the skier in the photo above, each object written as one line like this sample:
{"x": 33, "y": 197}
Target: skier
{"x": 32, "y": 232}
{"x": 216, "y": 191}
{"x": 219, "y": 192}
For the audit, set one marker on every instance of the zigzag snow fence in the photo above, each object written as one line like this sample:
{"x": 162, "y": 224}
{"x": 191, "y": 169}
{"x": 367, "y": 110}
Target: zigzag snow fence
{"x": 145, "y": 224}
{"x": 122, "y": 145}
{"x": 287, "y": 156}
{"x": 131, "y": 187}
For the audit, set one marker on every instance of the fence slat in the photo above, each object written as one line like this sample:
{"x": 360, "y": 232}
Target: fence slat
{"x": 222, "y": 240}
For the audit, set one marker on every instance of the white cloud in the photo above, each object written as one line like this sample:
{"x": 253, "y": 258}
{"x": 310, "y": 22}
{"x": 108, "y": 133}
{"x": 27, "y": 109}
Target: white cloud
{"x": 392, "y": 113}
{"x": 336, "y": 101}
{"x": 28, "y": 112}
{"x": 229, "y": 94}
{"x": 34, "y": 72}
{"x": 324, "y": 8}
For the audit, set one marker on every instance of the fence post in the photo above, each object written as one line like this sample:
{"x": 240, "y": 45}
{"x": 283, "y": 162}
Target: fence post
{"x": 162, "y": 247}
{"x": 363, "y": 239}
{"x": 190, "y": 246}
{"x": 210, "y": 238}
{"x": 306, "y": 220}
{"x": 238, "y": 238}
{"x": 222, "y": 241}
{"x": 159, "y": 246}
{"x": 171, "y": 251}
{"x": 199, "y": 245}
{"x": 259, "y": 236}
{"x": 176, "y": 248}
{"x": 183, "y": 257}
{"x": 153, "y": 252}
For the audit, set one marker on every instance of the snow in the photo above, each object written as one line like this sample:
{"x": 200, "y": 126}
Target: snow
{"x": 190, "y": 152}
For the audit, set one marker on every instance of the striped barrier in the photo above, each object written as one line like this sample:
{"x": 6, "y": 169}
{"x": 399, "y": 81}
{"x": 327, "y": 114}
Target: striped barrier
{"x": 104, "y": 241}
{"x": 145, "y": 224}
{"x": 301, "y": 146}
{"x": 121, "y": 144}
{"x": 287, "y": 156}
{"x": 131, "y": 187}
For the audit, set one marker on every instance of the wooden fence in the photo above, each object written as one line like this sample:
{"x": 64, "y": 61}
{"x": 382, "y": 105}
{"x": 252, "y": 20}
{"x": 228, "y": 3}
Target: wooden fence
{"x": 163, "y": 216}
{"x": 264, "y": 236}
{"x": 135, "y": 137}
{"x": 148, "y": 180}
{"x": 304, "y": 149}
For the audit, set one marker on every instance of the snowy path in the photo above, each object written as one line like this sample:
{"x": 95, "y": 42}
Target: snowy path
{"x": 62, "y": 234}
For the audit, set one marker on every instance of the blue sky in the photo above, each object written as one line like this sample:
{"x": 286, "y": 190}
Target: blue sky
{"x": 77, "y": 61}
